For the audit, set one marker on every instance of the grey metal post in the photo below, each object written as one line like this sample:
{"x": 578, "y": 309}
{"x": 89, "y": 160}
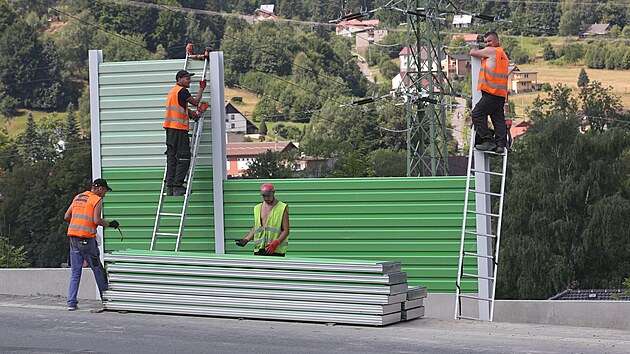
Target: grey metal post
{"x": 95, "y": 58}
{"x": 219, "y": 170}
{"x": 483, "y": 204}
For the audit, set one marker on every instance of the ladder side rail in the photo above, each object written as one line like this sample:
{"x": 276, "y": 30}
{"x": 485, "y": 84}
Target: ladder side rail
{"x": 463, "y": 237}
{"x": 498, "y": 239}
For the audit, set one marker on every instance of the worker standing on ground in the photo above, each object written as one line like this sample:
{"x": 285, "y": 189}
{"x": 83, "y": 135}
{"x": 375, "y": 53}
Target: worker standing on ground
{"x": 176, "y": 126}
{"x": 84, "y": 215}
{"x": 492, "y": 83}
{"x": 271, "y": 225}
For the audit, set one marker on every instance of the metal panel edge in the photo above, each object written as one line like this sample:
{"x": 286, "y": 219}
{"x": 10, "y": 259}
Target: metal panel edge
{"x": 217, "y": 104}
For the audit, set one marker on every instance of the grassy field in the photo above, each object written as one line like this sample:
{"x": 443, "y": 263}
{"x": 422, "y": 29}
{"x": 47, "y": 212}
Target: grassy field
{"x": 619, "y": 80}
{"x": 17, "y": 124}
{"x": 249, "y": 100}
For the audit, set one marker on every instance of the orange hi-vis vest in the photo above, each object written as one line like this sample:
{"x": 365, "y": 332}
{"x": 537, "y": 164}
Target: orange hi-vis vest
{"x": 82, "y": 223}
{"x": 494, "y": 81}
{"x": 176, "y": 116}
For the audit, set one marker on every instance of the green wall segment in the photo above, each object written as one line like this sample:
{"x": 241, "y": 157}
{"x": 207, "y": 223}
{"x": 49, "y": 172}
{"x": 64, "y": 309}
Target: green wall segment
{"x": 413, "y": 220}
{"x": 132, "y": 99}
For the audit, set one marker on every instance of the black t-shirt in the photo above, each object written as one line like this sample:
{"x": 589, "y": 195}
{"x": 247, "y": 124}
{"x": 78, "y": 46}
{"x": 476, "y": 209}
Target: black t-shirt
{"x": 182, "y": 97}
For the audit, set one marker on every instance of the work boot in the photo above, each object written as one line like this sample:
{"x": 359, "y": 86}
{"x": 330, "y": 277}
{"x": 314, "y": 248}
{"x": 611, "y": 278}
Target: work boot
{"x": 169, "y": 191}
{"x": 72, "y": 308}
{"x": 179, "y": 191}
{"x": 499, "y": 149}
{"x": 486, "y": 146}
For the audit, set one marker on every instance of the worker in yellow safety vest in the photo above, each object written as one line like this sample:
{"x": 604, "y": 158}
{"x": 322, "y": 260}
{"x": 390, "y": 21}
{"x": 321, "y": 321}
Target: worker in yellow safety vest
{"x": 176, "y": 125}
{"x": 271, "y": 225}
{"x": 492, "y": 83}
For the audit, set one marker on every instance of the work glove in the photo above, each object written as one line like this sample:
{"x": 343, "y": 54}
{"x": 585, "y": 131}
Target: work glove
{"x": 242, "y": 242}
{"x": 194, "y": 115}
{"x": 114, "y": 224}
{"x": 202, "y": 84}
{"x": 271, "y": 248}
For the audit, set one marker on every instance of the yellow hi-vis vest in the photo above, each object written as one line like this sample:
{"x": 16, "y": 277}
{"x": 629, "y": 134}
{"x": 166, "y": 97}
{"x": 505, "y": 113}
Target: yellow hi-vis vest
{"x": 82, "y": 223}
{"x": 176, "y": 116}
{"x": 494, "y": 81}
{"x": 266, "y": 235}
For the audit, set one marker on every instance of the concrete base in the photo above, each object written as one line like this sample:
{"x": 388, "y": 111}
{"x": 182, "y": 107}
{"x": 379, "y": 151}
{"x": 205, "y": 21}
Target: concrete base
{"x": 46, "y": 281}
{"x": 601, "y": 314}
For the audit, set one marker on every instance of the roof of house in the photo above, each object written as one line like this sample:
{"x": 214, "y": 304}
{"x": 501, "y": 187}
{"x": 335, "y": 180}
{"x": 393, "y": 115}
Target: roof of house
{"x": 518, "y": 128}
{"x": 253, "y": 149}
{"x": 598, "y": 28}
{"x": 468, "y": 37}
{"x": 462, "y": 19}
{"x": 590, "y": 294}
{"x": 267, "y": 8}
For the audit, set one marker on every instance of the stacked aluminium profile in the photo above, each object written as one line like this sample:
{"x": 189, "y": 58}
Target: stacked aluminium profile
{"x": 267, "y": 288}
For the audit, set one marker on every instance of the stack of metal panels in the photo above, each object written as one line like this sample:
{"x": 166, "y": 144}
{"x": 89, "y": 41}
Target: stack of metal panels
{"x": 299, "y": 289}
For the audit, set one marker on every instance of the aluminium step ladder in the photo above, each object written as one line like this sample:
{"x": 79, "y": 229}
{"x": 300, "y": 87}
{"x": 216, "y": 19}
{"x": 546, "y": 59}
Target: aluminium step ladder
{"x": 196, "y": 142}
{"x": 487, "y": 240}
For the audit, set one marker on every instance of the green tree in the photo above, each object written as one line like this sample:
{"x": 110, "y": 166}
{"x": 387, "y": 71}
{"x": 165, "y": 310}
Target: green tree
{"x": 567, "y": 207}
{"x": 11, "y": 256}
{"x": 351, "y": 164}
{"x": 548, "y": 52}
{"x": 598, "y": 102}
{"x": 265, "y": 108}
{"x": 263, "y": 127}
{"x": 272, "y": 164}
{"x": 583, "y": 79}
{"x": 170, "y": 31}
{"x": 387, "y": 163}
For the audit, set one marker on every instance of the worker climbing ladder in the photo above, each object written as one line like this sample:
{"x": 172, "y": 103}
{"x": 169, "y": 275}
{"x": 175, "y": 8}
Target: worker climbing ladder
{"x": 487, "y": 234}
{"x": 196, "y": 142}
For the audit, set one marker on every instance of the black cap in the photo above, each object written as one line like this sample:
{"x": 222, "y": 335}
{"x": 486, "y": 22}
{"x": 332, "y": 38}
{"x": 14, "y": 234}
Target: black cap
{"x": 99, "y": 182}
{"x": 182, "y": 73}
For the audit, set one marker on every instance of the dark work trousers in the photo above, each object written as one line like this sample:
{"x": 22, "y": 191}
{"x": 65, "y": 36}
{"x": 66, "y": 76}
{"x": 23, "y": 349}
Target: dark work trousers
{"x": 490, "y": 105}
{"x": 177, "y": 156}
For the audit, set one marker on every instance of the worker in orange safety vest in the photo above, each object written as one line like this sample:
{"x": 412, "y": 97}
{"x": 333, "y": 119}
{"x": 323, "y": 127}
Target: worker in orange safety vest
{"x": 84, "y": 215}
{"x": 176, "y": 126}
{"x": 492, "y": 83}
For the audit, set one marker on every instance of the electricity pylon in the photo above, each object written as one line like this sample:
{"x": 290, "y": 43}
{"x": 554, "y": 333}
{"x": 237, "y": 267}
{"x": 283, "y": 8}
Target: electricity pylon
{"x": 425, "y": 87}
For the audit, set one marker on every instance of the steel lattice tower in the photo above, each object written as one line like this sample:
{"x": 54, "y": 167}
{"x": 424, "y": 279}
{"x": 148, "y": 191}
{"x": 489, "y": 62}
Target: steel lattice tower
{"x": 425, "y": 86}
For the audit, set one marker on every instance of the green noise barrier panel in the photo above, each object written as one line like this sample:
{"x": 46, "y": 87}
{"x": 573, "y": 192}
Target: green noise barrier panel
{"x": 132, "y": 101}
{"x": 416, "y": 221}
{"x": 295, "y": 289}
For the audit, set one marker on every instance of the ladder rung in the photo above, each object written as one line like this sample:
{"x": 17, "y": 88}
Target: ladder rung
{"x": 478, "y": 255}
{"x": 487, "y": 172}
{"x": 165, "y": 234}
{"x": 486, "y": 193}
{"x": 477, "y": 276}
{"x": 482, "y": 213}
{"x": 480, "y": 234}
{"x": 475, "y": 297}
{"x": 491, "y": 152}
{"x": 170, "y": 214}
{"x": 469, "y": 318}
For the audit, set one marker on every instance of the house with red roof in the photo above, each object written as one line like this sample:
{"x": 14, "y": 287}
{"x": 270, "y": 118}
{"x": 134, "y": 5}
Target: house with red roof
{"x": 241, "y": 155}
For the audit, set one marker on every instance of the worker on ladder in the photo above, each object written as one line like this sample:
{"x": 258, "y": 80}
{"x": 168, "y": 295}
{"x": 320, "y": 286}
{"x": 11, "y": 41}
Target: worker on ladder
{"x": 492, "y": 83}
{"x": 176, "y": 125}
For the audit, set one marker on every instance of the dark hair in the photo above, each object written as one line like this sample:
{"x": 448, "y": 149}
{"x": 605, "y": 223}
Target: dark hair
{"x": 491, "y": 33}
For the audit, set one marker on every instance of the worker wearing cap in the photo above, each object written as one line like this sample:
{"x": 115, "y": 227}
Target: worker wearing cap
{"x": 176, "y": 126}
{"x": 271, "y": 225}
{"x": 492, "y": 83}
{"x": 84, "y": 215}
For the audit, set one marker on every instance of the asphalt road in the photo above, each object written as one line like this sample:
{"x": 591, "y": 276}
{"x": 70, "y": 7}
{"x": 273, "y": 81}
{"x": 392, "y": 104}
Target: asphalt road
{"x": 41, "y": 324}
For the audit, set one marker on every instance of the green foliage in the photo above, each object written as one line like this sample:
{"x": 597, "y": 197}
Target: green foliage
{"x": 11, "y": 256}
{"x": 388, "y": 69}
{"x": 170, "y": 31}
{"x": 626, "y": 285}
{"x": 583, "y": 79}
{"x": 262, "y": 130}
{"x": 271, "y": 165}
{"x": 597, "y": 101}
{"x": 548, "y": 52}
{"x": 265, "y": 108}
{"x": 567, "y": 204}
{"x": 352, "y": 164}
{"x": 387, "y": 163}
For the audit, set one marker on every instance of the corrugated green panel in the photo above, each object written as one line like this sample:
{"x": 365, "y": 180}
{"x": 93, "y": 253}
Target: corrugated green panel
{"x": 132, "y": 101}
{"x": 133, "y": 202}
{"x": 413, "y": 220}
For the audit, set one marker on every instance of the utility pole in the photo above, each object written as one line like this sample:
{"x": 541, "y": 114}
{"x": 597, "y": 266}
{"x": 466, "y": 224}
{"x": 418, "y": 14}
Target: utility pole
{"x": 425, "y": 87}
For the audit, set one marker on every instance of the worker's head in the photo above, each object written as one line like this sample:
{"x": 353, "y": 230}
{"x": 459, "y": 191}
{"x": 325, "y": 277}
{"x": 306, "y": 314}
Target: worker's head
{"x": 183, "y": 78}
{"x": 267, "y": 191}
{"x": 491, "y": 39}
{"x": 100, "y": 187}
